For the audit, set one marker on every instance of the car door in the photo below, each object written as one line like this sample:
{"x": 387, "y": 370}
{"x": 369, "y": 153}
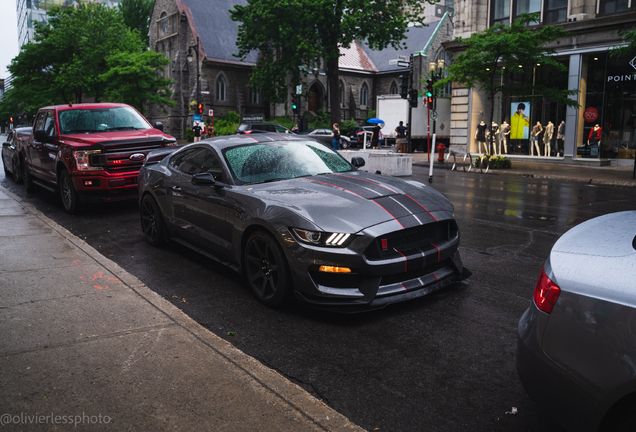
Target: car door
{"x": 48, "y": 150}
{"x": 33, "y": 150}
{"x": 199, "y": 211}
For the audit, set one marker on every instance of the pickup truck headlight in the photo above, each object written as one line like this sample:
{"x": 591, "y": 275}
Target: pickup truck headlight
{"x": 82, "y": 160}
{"x": 319, "y": 238}
{"x": 170, "y": 142}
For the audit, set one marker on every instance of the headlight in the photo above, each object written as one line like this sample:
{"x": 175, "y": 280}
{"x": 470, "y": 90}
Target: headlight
{"x": 320, "y": 238}
{"x": 82, "y": 160}
{"x": 170, "y": 142}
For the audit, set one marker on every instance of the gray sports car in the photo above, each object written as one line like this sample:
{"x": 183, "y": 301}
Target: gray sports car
{"x": 298, "y": 220}
{"x": 576, "y": 350}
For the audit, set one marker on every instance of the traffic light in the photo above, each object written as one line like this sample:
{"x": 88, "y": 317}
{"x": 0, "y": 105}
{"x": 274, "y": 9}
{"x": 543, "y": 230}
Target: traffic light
{"x": 413, "y": 98}
{"x": 429, "y": 88}
{"x": 294, "y": 104}
{"x": 429, "y": 101}
{"x": 11, "y": 119}
{"x": 200, "y": 108}
{"x": 404, "y": 87}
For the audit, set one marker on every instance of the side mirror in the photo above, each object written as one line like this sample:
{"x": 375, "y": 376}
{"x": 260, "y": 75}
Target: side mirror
{"x": 41, "y": 136}
{"x": 158, "y": 125}
{"x": 6, "y": 144}
{"x": 357, "y": 161}
{"x": 205, "y": 178}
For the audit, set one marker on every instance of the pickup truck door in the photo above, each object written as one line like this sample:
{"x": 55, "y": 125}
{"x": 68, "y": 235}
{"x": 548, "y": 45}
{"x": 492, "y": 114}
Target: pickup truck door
{"x": 48, "y": 150}
{"x": 199, "y": 211}
{"x": 33, "y": 149}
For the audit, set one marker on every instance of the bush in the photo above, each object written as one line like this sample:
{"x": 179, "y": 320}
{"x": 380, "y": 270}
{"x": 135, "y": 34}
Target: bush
{"x": 347, "y": 125}
{"x": 285, "y": 121}
{"x": 227, "y": 124}
{"x": 320, "y": 121}
{"x": 189, "y": 134}
{"x": 498, "y": 162}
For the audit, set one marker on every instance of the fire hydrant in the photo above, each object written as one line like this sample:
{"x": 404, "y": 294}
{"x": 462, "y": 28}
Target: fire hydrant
{"x": 440, "y": 148}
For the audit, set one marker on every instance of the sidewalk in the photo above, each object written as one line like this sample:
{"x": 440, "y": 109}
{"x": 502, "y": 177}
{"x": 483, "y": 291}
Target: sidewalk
{"x": 85, "y": 343}
{"x": 608, "y": 175}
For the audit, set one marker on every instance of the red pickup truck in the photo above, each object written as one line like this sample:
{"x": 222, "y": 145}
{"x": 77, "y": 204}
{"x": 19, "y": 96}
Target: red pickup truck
{"x": 89, "y": 152}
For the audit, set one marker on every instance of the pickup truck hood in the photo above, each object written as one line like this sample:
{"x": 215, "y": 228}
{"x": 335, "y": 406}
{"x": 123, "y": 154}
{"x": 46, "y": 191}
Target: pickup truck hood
{"x": 101, "y": 139}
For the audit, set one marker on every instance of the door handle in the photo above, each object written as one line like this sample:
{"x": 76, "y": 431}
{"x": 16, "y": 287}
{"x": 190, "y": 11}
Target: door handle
{"x": 177, "y": 188}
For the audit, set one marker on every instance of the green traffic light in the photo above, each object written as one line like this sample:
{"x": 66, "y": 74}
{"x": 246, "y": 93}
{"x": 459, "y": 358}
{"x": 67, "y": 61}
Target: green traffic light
{"x": 294, "y": 107}
{"x": 429, "y": 94}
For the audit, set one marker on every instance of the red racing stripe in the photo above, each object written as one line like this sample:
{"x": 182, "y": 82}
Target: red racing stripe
{"x": 368, "y": 181}
{"x": 403, "y": 286}
{"x": 437, "y": 254}
{"x": 423, "y": 208}
{"x": 406, "y": 260}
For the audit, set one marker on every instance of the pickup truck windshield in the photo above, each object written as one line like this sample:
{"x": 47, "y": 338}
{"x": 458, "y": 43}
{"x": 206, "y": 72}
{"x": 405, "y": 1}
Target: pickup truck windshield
{"x": 100, "y": 120}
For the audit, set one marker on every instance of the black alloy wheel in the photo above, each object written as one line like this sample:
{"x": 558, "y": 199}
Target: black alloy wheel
{"x": 266, "y": 269}
{"x": 70, "y": 199}
{"x": 16, "y": 172}
{"x": 26, "y": 177}
{"x": 152, "y": 221}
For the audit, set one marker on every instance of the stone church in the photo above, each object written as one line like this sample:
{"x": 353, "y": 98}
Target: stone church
{"x": 182, "y": 28}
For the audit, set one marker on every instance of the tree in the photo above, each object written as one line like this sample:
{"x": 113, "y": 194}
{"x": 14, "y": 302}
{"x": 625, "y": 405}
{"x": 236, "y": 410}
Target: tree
{"x": 630, "y": 48}
{"x": 136, "y": 14}
{"x": 515, "y": 49}
{"x": 290, "y": 34}
{"x": 72, "y": 58}
{"x": 134, "y": 79}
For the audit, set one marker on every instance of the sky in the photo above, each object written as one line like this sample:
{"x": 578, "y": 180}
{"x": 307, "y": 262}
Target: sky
{"x": 8, "y": 35}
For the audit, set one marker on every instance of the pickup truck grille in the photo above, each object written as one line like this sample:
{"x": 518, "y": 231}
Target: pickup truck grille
{"x": 117, "y": 159}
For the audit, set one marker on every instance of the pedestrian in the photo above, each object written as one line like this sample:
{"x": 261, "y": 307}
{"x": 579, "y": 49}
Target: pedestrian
{"x": 197, "y": 132}
{"x": 335, "y": 137}
{"x": 210, "y": 131}
{"x": 295, "y": 129}
{"x": 401, "y": 137}
{"x": 376, "y": 136}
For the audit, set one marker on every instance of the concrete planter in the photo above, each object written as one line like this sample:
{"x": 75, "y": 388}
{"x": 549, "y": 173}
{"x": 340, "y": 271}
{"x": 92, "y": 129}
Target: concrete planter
{"x": 385, "y": 161}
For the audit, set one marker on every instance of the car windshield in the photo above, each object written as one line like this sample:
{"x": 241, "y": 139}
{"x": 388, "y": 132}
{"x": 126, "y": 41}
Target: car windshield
{"x": 100, "y": 120}
{"x": 257, "y": 163}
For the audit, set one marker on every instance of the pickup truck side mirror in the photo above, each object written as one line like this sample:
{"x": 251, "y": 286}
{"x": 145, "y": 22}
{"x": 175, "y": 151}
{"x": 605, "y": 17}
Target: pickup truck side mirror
{"x": 205, "y": 178}
{"x": 357, "y": 161}
{"x": 41, "y": 136}
{"x": 6, "y": 144}
{"x": 158, "y": 125}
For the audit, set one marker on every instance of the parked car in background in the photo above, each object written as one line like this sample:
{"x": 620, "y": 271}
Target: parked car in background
{"x": 356, "y": 135}
{"x": 10, "y": 158}
{"x": 300, "y": 221}
{"x": 247, "y": 128}
{"x": 88, "y": 152}
{"x": 324, "y": 136}
{"x": 576, "y": 350}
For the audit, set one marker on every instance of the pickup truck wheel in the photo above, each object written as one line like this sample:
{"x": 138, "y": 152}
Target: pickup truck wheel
{"x": 16, "y": 172}
{"x": 28, "y": 180}
{"x": 152, "y": 221}
{"x": 70, "y": 199}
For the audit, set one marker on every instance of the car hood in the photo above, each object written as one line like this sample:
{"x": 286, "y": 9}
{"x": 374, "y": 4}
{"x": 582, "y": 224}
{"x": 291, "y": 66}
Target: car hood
{"x": 105, "y": 138}
{"x": 352, "y": 201}
{"x": 598, "y": 258}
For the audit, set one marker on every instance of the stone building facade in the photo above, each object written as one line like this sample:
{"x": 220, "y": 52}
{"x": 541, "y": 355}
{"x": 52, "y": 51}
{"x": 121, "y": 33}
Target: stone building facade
{"x": 606, "y": 85}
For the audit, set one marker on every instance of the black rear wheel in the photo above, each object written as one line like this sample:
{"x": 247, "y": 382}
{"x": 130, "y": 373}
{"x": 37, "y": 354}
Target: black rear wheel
{"x": 266, "y": 269}
{"x": 152, "y": 221}
{"x": 16, "y": 172}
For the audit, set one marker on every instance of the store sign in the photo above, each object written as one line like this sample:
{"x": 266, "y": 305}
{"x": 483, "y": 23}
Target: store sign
{"x": 590, "y": 114}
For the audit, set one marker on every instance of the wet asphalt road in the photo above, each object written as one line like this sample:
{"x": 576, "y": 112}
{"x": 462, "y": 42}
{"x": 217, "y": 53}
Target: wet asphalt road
{"x": 442, "y": 363}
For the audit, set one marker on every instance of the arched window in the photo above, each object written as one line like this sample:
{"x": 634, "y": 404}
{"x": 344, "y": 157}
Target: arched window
{"x": 220, "y": 88}
{"x": 364, "y": 95}
{"x": 342, "y": 94}
{"x": 254, "y": 95}
{"x": 394, "y": 88}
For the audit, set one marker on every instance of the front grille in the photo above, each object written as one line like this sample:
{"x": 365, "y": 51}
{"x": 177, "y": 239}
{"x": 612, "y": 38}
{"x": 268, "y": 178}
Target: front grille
{"x": 116, "y": 159}
{"x": 408, "y": 240}
{"x": 413, "y": 274}
{"x": 337, "y": 280}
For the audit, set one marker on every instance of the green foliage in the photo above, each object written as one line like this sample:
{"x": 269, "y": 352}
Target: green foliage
{"x": 227, "y": 124}
{"x": 515, "y": 49}
{"x": 499, "y": 162}
{"x": 286, "y": 121}
{"x": 81, "y": 52}
{"x": 189, "y": 134}
{"x": 371, "y": 114}
{"x": 290, "y": 35}
{"x": 136, "y": 14}
{"x": 135, "y": 79}
{"x": 320, "y": 121}
{"x": 347, "y": 125}
{"x": 630, "y": 48}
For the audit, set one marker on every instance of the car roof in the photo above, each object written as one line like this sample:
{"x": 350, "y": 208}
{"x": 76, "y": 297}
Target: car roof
{"x": 266, "y": 137}
{"x": 88, "y": 106}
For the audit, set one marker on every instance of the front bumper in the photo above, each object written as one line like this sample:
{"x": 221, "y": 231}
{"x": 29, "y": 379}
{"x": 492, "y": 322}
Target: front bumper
{"x": 97, "y": 188}
{"x": 377, "y": 279}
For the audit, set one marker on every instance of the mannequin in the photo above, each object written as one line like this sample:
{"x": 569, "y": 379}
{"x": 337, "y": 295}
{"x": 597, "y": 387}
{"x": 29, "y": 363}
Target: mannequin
{"x": 505, "y": 134}
{"x": 534, "y": 139}
{"x": 547, "y": 138}
{"x": 595, "y": 135}
{"x": 494, "y": 131}
{"x": 560, "y": 137}
{"x": 480, "y": 137}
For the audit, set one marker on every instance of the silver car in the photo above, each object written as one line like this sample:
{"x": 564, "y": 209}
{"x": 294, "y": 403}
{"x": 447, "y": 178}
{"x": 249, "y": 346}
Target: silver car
{"x": 576, "y": 349}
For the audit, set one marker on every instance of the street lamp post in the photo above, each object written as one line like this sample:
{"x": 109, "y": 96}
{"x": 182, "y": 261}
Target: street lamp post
{"x": 437, "y": 69}
{"x": 189, "y": 57}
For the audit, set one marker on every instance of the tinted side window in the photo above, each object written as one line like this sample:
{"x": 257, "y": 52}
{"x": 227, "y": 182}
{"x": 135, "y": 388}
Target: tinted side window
{"x": 49, "y": 124}
{"x": 281, "y": 129}
{"x": 39, "y": 122}
{"x": 196, "y": 161}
